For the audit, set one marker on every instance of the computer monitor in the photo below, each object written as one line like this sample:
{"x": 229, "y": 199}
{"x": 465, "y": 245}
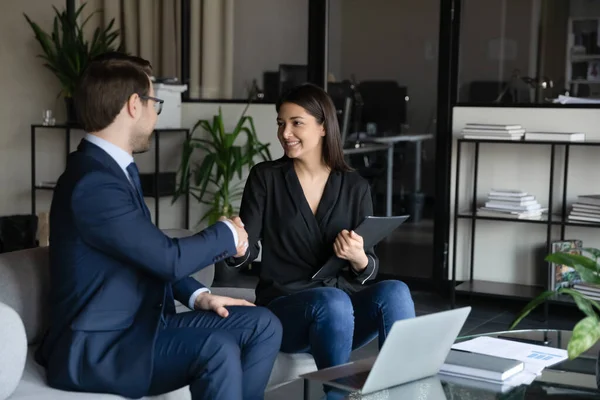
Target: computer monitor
{"x": 384, "y": 103}
{"x": 291, "y": 75}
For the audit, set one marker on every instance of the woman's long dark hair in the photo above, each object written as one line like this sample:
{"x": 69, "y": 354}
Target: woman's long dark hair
{"x": 318, "y": 104}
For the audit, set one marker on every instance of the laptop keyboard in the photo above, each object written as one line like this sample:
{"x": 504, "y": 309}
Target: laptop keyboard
{"x": 356, "y": 381}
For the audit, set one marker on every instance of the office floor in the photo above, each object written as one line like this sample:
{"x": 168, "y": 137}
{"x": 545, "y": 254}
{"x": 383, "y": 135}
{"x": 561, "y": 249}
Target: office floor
{"x": 487, "y": 315}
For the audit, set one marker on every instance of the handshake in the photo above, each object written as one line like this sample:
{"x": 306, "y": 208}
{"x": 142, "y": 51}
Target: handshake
{"x": 242, "y": 235}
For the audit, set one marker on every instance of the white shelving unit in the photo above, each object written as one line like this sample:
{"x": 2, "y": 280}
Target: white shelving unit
{"x": 583, "y": 59}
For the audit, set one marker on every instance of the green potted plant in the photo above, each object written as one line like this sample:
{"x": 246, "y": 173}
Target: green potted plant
{"x": 212, "y": 179}
{"x": 587, "y": 331}
{"x": 66, "y": 51}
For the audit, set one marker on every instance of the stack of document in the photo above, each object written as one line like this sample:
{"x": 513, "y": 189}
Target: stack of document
{"x": 513, "y": 363}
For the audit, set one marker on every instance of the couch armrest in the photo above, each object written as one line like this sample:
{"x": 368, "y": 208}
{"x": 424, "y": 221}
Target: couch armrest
{"x": 13, "y": 350}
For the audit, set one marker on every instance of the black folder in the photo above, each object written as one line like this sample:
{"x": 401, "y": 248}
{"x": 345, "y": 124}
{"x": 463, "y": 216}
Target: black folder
{"x": 372, "y": 230}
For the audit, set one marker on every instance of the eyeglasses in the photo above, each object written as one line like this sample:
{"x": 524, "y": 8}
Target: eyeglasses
{"x": 158, "y": 103}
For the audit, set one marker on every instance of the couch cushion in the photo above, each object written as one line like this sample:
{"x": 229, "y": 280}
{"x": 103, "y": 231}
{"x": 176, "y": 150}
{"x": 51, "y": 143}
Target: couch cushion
{"x": 13, "y": 350}
{"x": 33, "y": 387}
{"x": 24, "y": 283}
{"x": 24, "y": 278}
{"x": 289, "y": 367}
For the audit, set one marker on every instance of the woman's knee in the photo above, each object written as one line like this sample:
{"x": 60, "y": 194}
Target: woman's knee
{"x": 394, "y": 292}
{"x": 334, "y": 302}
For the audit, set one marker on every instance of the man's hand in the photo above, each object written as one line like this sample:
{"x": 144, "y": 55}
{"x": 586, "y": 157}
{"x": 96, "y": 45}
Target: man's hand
{"x": 242, "y": 235}
{"x": 349, "y": 246}
{"x": 211, "y": 302}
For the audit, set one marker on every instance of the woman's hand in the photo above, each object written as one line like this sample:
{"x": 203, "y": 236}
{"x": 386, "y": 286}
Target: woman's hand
{"x": 349, "y": 246}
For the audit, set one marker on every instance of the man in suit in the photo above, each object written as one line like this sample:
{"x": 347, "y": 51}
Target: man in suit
{"x": 113, "y": 326}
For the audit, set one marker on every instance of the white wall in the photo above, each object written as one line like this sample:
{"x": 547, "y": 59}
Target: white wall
{"x": 27, "y": 89}
{"x": 511, "y": 251}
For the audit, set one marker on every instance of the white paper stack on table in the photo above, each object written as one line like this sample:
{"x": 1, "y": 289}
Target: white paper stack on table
{"x": 586, "y": 209}
{"x": 533, "y": 359}
{"x": 510, "y": 203}
{"x": 493, "y": 131}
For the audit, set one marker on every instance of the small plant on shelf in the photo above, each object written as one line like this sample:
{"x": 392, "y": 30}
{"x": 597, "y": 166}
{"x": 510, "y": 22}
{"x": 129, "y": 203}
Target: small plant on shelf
{"x": 587, "y": 331}
{"x": 66, "y": 51}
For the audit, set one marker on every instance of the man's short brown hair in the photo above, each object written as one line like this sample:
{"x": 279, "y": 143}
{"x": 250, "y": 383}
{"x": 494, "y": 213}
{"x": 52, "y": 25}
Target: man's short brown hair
{"x": 106, "y": 85}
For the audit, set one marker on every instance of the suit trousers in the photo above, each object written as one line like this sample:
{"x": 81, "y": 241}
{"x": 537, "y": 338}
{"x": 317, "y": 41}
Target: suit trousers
{"x": 219, "y": 358}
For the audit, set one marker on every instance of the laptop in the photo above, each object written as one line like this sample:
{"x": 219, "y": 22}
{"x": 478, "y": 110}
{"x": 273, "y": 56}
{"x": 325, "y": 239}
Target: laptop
{"x": 415, "y": 349}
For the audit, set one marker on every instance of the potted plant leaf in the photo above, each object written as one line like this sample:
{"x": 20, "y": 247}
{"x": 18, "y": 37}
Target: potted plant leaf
{"x": 66, "y": 51}
{"x": 215, "y": 179}
{"x": 587, "y": 331}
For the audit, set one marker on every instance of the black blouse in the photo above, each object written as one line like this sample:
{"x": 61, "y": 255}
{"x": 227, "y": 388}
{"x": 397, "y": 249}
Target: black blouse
{"x": 295, "y": 242}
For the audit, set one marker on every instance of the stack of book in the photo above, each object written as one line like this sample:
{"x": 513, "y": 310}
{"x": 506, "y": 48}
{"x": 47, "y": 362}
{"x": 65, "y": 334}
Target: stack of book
{"x": 515, "y": 204}
{"x": 493, "y": 131}
{"x": 586, "y": 209}
{"x": 480, "y": 367}
{"x": 589, "y": 290}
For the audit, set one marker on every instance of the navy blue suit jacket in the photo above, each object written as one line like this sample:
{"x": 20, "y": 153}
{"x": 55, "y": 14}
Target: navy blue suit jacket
{"x": 113, "y": 275}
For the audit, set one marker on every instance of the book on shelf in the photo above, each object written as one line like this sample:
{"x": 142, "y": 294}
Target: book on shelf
{"x": 478, "y": 125}
{"x": 589, "y": 199}
{"x": 555, "y": 136}
{"x": 510, "y": 203}
{"x": 589, "y": 290}
{"x": 493, "y": 131}
{"x": 586, "y": 209}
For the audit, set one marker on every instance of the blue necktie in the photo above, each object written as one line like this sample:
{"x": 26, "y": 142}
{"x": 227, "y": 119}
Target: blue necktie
{"x": 134, "y": 174}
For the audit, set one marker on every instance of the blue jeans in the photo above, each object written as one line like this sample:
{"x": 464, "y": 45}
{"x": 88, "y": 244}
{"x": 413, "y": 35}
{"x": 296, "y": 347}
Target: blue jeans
{"x": 220, "y": 358}
{"x": 329, "y": 324}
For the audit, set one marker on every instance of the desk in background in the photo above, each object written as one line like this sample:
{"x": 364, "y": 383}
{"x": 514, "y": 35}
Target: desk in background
{"x": 388, "y": 143}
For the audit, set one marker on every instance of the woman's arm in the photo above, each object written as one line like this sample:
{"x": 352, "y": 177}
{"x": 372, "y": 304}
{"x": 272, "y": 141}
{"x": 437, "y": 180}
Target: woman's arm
{"x": 366, "y": 210}
{"x": 251, "y": 214}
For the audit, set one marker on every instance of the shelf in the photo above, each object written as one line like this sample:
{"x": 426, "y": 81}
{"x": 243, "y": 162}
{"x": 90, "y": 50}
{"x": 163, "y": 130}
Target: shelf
{"x": 75, "y": 126}
{"x": 38, "y": 187}
{"x": 58, "y": 126}
{"x": 556, "y": 220}
{"x": 499, "y": 289}
{"x": 561, "y": 299}
{"x": 467, "y": 215}
{"x": 545, "y": 142}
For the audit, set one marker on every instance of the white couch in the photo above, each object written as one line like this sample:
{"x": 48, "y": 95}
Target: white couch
{"x": 24, "y": 282}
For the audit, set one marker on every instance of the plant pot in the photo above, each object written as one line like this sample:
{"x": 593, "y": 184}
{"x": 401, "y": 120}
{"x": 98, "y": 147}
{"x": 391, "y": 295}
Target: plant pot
{"x": 71, "y": 113}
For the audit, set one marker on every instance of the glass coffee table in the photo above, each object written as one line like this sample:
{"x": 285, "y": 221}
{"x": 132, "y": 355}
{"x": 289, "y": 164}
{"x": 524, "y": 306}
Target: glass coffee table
{"x": 571, "y": 379}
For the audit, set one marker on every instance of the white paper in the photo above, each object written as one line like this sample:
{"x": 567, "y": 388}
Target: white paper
{"x": 535, "y": 357}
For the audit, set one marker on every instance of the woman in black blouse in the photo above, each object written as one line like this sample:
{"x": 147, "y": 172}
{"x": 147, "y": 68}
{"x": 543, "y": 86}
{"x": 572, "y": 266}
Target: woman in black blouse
{"x": 302, "y": 208}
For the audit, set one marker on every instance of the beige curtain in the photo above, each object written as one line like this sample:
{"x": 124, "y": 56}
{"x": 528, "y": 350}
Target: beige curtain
{"x": 150, "y": 29}
{"x": 211, "y": 49}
